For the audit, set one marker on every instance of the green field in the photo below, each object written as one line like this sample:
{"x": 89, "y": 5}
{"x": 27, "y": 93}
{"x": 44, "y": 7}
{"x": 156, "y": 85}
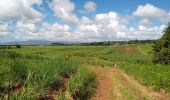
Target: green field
{"x": 45, "y": 70}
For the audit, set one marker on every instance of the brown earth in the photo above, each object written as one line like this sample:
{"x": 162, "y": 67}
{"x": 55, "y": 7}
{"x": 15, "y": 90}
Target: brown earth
{"x": 114, "y": 84}
{"x": 131, "y": 50}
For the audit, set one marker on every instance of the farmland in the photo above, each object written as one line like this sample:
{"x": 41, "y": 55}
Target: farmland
{"x": 72, "y": 72}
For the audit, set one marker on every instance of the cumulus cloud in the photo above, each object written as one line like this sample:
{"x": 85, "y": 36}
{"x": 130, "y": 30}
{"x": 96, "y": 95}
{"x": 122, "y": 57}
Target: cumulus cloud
{"x": 47, "y": 31}
{"x": 89, "y": 7}
{"x": 145, "y": 23}
{"x": 152, "y": 12}
{"x": 56, "y": 27}
{"x": 108, "y": 26}
{"x": 30, "y": 2}
{"x": 53, "y": 32}
{"x": 85, "y": 20}
{"x": 103, "y": 27}
{"x": 64, "y": 10}
{"x": 18, "y": 9}
{"x": 26, "y": 27}
{"x": 5, "y": 29}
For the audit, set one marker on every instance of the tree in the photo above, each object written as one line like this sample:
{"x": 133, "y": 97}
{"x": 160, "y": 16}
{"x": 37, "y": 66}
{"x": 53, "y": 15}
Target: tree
{"x": 161, "y": 48}
{"x": 18, "y": 46}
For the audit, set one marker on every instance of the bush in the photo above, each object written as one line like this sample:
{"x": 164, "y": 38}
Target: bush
{"x": 18, "y": 46}
{"x": 161, "y": 48}
{"x": 82, "y": 85}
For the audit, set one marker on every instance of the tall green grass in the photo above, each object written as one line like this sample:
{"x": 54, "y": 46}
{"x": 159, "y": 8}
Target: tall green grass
{"x": 35, "y": 76}
{"x": 82, "y": 85}
{"x": 156, "y": 76}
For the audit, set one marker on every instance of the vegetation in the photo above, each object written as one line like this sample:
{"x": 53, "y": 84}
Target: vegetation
{"x": 82, "y": 85}
{"x": 18, "y": 46}
{"x": 52, "y": 71}
{"x": 9, "y": 46}
{"x": 161, "y": 48}
{"x": 118, "y": 42}
{"x": 32, "y": 76}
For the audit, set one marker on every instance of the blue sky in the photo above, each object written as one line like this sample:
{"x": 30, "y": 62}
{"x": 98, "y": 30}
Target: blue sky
{"x": 82, "y": 20}
{"x": 120, "y": 6}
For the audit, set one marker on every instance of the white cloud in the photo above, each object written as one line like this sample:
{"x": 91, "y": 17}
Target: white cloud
{"x": 54, "y": 32}
{"x": 56, "y": 27}
{"x": 26, "y": 27}
{"x": 34, "y": 1}
{"x": 85, "y": 20}
{"x": 47, "y": 31}
{"x": 89, "y": 7}
{"x": 109, "y": 26}
{"x": 5, "y": 29}
{"x": 102, "y": 27}
{"x": 18, "y": 9}
{"x": 152, "y": 12}
{"x": 145, "y": 23}
{"x": 64, "y": 10}
{"x": 25, "y": 30}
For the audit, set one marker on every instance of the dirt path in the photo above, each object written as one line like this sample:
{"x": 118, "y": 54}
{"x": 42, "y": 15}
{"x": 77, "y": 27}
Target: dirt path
{"x": 114, "y": 84}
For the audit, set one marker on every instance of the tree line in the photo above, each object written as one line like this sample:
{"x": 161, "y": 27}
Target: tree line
{"x": 119, "y": 42}
{"x": 9, "y": 46}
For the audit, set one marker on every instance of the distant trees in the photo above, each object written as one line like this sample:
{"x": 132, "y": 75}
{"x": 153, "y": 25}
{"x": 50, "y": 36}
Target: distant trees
{"x": 9, "y": 46}
{"x": 161, "y": 48}
{"x": 118, "y": 42}
{"x": 5, "y": 47}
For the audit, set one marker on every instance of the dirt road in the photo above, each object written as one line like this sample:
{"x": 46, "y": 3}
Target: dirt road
{"x": 114, "y": 84}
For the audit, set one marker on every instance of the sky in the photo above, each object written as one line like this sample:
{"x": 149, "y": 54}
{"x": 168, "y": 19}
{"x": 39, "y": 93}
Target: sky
{"x": 82, "y": 20}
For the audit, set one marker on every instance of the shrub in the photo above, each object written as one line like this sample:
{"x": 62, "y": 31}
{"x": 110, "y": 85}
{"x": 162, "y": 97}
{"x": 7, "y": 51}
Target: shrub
{"x": 161, "y": 48}
{"x": 18, "y": 46}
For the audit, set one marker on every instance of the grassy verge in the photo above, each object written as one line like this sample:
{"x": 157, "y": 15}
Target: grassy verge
{"x": 156, "y": 76}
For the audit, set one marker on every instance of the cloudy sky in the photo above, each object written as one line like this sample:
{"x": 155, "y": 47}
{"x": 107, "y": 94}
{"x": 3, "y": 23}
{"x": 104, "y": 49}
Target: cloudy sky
{"x": 82, "y": 20}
